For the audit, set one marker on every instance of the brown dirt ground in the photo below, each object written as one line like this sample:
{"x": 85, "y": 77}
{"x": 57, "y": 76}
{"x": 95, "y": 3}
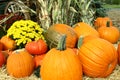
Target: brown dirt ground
{"x": 114, "y": 14}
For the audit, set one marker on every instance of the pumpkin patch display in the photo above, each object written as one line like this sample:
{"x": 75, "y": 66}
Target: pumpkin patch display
{"x": 61, "y": 63}
{"x": 8, "y": 43}
{"x": 83, "y": 29}
{"x": 2, "y": 59}
{"x": 110, "y": 33}
{"x": 36, "y": 47}
{"x": 98, "y": 58}
{"x": 102, "y": 21}
{"x": 20, "y": 64}
{"x": 54, "y": 33}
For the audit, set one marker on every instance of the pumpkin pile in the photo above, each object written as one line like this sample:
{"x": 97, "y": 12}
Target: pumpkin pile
{"x": 62, "y": 52}
{"x": 106, "y": 29}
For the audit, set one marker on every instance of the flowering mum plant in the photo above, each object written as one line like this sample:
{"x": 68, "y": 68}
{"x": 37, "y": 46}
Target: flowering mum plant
{"x": 25, "y": 31}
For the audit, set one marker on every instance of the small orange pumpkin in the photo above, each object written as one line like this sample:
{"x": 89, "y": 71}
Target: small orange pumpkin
{"x": 61, "y": 63}
{"x": 101, "y": 21}
{"x": 98, "y": 57}
{"x": 83, "y": 29}
{"x": 20, "y": 64}
{"x": 36, "y": 47}
{"x": 8, "y": 43}
{"x": 110, "y": 33}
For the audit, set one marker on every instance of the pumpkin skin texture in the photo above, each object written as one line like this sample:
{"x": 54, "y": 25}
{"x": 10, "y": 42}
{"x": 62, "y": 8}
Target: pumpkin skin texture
{"x": 20, "y": 64}
{"x": 88, "y": 38}
{"x": 1, "y": 46}
{"x": 83, "y": 29}
{"x": 109, "y": 33}
{"x": 38, "y": 59}
{"x": 118, "y": 51}
{"x": 2, "y": 59}
{"x": 98, "y": 57}
{"x": 8, "y": 43}
{"x": 102, "y": 21}
{"x": 36, "y": 47}
{"x": 61, "y": 64}
{"x": 54, "y": 33}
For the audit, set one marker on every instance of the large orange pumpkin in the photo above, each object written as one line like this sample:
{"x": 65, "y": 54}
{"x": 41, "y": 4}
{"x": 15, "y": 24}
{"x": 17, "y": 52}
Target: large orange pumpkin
{"x": 98, "y": 57}
{"x": 61, "y": 64}
{"x": 20, "y": 64}
{"x": 54, "y": 33}
{"x": 83, "y": 29}
{"x": 110, "y": 33}
{"x": 8, "y": 43}
{"x": 101, "y": 21}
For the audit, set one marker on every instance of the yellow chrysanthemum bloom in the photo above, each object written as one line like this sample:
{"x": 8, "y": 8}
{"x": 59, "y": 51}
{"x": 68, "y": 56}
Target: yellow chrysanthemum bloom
{"x": 24, "y": 31}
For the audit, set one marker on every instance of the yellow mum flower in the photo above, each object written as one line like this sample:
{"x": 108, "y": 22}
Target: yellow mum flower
{"x": 24, "y": 31}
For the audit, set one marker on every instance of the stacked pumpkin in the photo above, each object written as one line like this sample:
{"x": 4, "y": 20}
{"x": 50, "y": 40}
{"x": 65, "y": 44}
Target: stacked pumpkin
{"x": 106, "y": 29}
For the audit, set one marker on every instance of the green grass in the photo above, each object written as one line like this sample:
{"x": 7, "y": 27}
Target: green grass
{"x": 111, "y": 6}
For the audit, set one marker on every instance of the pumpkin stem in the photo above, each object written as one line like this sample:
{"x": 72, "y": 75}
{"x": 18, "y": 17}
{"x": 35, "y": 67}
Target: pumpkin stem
{"x": 61, "y": 44}
{"x": 80, "y": 41}
{"x": 108, "y": 24}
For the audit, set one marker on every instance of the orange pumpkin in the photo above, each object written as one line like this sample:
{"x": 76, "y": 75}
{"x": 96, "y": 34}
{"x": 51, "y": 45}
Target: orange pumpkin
{"x": 101, "y": 21}
{"x": 110, "y": 33}
{"x": 2, "y": 59}
{"x": 54, "y": 33}
{"x": 8, "y": 43}
{"x": 118, "y": 51}
{"x": 36, "y": 47}
{"x": 83, "y": 29}
{"x": 61, "y": 63}
{"x": 89, "y": 37}
{"x": 20, "y": 64}
{"x": 38, "y": 59}
{"x": 1, "y": 46}
{"x": 98, "y": 57}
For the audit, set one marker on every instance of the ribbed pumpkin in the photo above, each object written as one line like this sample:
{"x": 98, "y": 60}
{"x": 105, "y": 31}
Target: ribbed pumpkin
{"x": 20, "y": 64}
{"x": 98, "y": 57}
{"x": 110, "y": 33}
{"x": 101, "y": 21}
{"x": 83, "y": 29}
{"x": 61, "y": 64}
{"x": 54, "y": 33}
{"x": 89, "y": 37}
